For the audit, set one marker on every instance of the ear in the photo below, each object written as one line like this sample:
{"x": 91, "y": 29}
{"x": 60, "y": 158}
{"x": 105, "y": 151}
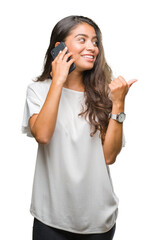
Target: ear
{"x": 57, "y": 43}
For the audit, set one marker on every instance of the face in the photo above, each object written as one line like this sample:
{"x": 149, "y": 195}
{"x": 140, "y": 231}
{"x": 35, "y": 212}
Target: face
{"x": 83, "y": 44}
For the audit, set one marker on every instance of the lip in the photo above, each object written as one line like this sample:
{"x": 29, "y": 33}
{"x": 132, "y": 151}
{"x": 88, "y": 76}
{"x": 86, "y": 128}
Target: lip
{"x": 88, "y": 57}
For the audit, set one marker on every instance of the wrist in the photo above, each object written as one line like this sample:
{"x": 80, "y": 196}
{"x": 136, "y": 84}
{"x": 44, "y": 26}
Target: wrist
{"x": 118, "y": 107}
{"x": 57, "y": 83}
{"x": 120, "y": 117}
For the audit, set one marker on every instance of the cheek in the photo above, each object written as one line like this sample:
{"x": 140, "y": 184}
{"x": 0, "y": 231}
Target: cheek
{"x": 97, "y": 52}
{"x": 75, "y": 48}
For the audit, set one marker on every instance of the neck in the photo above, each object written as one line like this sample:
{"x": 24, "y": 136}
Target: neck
{"x": 75, "y": 81}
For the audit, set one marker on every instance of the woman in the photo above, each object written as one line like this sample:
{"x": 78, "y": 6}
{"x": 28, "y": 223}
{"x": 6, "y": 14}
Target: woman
{"x": 77, "y": 121}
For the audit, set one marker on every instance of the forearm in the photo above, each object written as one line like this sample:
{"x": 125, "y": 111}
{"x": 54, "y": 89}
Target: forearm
{"x": 114, "y": 134}
{"x": 113, "y": 138}
{"x": 45, "y": 122}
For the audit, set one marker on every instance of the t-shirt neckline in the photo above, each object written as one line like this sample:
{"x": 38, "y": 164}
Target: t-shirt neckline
{"x": 71, "y": 90}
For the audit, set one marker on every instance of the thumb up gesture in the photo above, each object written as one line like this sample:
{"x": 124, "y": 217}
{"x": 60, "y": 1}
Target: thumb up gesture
{"x": 119, "y": 89}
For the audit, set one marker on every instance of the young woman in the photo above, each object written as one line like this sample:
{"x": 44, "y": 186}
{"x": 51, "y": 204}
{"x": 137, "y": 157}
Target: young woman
{"x": 77, "y": 121}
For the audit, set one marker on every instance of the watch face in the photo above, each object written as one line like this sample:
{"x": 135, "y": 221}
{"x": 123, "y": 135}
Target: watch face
{"x": 121, "y": 117}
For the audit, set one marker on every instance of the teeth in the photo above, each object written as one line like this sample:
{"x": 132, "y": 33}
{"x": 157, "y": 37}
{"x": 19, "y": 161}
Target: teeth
{"x": 87, "y": 56}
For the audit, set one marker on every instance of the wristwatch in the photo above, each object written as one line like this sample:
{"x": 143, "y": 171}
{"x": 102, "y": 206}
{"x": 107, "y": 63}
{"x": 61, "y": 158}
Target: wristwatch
{"x": 120, "y": 117}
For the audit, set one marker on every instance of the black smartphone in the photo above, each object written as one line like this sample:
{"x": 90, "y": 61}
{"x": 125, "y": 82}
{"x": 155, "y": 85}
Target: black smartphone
{"x": 55, "y": 51}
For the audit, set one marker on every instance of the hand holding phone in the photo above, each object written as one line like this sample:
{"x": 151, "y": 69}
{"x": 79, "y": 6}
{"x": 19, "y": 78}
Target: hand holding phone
{"x": 55, "y": 51}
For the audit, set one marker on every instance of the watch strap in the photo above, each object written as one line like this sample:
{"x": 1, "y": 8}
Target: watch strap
{"x": 113, "y": 116}
{"x": 117, "y": 117}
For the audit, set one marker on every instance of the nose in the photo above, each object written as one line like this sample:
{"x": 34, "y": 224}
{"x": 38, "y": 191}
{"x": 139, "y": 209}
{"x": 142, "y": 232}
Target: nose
{"x": 90, "y": 46}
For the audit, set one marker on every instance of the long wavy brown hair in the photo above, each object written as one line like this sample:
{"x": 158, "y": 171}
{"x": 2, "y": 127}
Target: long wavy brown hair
{"x": 96, "y": 81}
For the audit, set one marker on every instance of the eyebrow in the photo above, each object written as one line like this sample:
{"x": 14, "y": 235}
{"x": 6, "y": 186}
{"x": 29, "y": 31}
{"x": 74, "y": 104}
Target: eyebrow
{"x": 81, "y": 34}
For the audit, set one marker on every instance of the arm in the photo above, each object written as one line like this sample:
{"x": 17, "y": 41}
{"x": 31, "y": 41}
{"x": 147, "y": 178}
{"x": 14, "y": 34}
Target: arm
{"x": 42, "y": 125}
{"x": 113, "y": 138}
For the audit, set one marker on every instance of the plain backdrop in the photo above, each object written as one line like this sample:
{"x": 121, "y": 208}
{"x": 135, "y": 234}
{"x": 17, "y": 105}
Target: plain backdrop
{"x": 130, "y": 39}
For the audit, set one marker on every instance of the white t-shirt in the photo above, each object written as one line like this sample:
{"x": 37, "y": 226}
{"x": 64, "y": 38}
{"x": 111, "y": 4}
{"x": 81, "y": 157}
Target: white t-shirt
{"x": 72, "y": 188}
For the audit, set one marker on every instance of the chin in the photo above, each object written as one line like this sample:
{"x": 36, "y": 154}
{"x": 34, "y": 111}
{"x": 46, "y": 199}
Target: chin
{"x": 85, "y": 68}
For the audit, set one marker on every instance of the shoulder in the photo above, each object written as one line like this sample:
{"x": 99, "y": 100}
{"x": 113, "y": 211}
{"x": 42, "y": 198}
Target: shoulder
{"x": 37, "y": 86}
{"x": 40, "y": 89}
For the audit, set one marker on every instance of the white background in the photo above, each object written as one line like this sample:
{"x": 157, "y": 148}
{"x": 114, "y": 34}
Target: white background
{"x": 130, "y": 39}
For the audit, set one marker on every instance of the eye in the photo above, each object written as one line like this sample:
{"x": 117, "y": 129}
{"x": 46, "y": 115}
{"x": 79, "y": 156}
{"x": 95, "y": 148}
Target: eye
{"x": 82, "y": 40}
{"x": 95, "y": 43}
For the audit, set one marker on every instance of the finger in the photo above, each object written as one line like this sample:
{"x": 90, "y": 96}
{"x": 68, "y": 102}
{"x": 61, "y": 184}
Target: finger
{"x": 71, "y": 61}
{"x": 51, "y": 74}
{"x": 69, "y": 54}
{"x": 123, "y": 81}
{"x": 131, "y": 82}
{"x": 112, "y": 86}
{"x": 61, "y": 54}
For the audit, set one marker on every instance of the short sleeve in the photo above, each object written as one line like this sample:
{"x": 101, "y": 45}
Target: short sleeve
{"x": 32, "y": 106}
{"x": 123, "y": 140}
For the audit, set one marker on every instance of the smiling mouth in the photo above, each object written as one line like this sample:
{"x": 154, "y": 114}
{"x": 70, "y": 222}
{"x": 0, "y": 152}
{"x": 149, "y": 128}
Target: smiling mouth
{"x": 91, "y": 57}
